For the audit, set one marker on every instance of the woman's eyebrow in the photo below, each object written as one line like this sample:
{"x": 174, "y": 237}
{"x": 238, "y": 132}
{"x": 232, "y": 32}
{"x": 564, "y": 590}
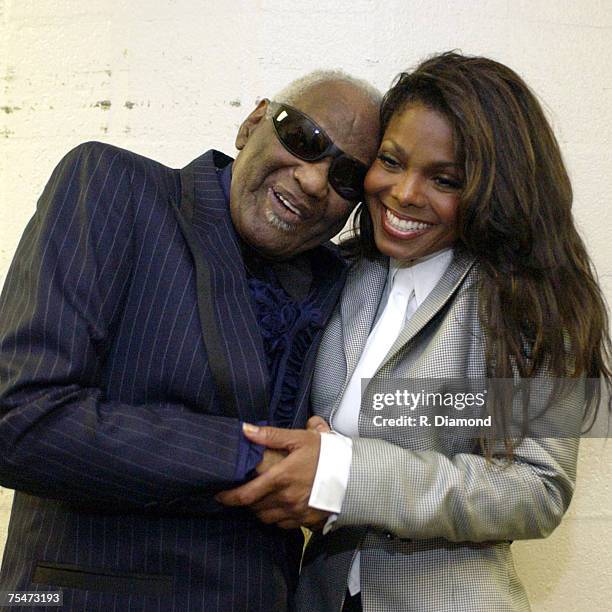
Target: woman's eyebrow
{"x": 446, "y": 164}
{"x": 436, "y": 164}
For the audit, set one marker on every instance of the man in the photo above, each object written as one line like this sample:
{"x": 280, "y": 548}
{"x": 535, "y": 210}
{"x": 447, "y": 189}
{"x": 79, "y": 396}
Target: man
{"x": 140, "y": 327}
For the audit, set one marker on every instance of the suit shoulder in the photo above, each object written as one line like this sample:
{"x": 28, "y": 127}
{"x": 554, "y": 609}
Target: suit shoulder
{"x": 100, "y": 153}
{"x": 98, "y": 159}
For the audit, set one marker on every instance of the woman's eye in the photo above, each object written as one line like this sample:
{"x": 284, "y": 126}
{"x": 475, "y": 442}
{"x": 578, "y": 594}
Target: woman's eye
{"x": 449, "y": 183}
{"x": 387, "y": 160}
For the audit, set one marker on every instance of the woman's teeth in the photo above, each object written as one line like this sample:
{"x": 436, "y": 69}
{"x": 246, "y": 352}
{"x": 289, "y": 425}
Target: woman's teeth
{"x": 404, "y": 225}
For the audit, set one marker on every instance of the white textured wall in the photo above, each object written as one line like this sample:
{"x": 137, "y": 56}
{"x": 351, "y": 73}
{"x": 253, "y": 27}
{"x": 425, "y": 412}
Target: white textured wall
{"x": 171, "y": 78}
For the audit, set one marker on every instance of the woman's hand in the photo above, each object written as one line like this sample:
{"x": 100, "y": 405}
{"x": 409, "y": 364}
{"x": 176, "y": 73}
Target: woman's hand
{"x": 270, "y": 457}
{"x": 281, "y": 493}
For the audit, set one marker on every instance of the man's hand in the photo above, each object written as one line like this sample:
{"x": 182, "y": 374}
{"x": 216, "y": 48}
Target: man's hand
{"x": 281, "y": 493}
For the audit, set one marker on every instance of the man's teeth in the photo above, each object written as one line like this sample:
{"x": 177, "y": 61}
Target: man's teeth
{"x": 403, "y": 224}
{"x": 288, "y": 204}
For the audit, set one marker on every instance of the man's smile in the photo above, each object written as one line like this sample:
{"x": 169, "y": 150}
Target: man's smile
{"x": 287, "y": 208}
{"x": 287, "y": 203}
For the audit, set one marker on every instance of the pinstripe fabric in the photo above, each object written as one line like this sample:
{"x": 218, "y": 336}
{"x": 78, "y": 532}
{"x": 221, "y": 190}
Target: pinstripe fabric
{"x": 111, "y": 427}
{"x": 431, "y": 517}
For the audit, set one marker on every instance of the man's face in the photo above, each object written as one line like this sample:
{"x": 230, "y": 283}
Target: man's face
{"x": 281, "y": 205}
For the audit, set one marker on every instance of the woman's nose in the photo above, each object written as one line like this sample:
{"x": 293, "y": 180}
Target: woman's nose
{"x": 409, "y": 190}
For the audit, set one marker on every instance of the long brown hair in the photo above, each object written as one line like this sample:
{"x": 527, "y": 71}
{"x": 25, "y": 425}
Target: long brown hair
{"x": 540, "y": 303}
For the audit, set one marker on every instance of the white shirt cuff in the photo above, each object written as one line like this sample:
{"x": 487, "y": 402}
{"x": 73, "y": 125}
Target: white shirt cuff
{"x": 331, "y": 479}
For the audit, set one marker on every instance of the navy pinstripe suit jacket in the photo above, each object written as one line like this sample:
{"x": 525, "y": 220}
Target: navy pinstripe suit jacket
{"x": 121, "y": 395}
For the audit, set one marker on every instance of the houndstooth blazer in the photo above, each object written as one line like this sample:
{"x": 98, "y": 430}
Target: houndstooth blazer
{"x": 432, "y": 517}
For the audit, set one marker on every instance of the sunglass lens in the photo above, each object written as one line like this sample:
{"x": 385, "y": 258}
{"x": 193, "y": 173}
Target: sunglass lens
{"x": 304, "y": 139}
{"x": 346, "y": 176}
{"x": 299, "y": 135}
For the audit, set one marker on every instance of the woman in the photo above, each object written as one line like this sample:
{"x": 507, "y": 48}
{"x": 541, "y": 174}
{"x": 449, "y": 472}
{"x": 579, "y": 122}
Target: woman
{"x": 470, "y": 266}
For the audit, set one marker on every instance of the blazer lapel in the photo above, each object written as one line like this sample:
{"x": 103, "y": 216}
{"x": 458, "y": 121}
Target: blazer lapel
{"x": 434, "y": 302}
{"x": 229, "y": 325}
{"x": 362, "y": 292}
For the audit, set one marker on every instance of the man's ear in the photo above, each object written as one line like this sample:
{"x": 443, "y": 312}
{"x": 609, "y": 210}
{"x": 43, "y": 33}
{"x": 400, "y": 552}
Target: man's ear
{"x": 251, "y": 122}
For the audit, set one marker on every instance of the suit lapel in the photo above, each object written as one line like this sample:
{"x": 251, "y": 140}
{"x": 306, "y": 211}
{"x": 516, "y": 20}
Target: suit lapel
{"x": 434, "y": 302}
{"x": 363, "y": 290}
{"x": 229, "y": 325}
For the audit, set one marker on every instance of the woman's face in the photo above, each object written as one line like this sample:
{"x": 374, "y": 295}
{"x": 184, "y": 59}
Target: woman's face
{"x": 414, "y": 185}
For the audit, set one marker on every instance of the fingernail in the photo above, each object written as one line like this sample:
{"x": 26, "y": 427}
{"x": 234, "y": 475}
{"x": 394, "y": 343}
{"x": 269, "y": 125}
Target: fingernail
{"x": 320, "y": 428}
{"x": 248, "y": 428}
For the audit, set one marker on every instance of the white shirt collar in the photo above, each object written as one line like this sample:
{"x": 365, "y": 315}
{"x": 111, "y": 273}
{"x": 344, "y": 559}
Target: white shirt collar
{"x": 422, "y": 275}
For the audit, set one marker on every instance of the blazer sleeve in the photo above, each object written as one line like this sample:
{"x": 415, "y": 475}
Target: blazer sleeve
{"x": 59, "y": 436}
{"x": 465, "y": 497}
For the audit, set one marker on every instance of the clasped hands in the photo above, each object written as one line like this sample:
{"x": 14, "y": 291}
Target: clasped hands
{"x": 280, "y": 492}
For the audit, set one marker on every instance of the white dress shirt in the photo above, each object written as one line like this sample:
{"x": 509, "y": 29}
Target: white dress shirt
{"x": 405, "y": 290}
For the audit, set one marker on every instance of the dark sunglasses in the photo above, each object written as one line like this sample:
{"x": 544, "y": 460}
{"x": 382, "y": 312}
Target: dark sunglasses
{"x": 302, "y": 137}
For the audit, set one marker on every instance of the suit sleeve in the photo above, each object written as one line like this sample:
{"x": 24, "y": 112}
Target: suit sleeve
{"x": 59, "y": 436}
{"x": 465, "y": 497}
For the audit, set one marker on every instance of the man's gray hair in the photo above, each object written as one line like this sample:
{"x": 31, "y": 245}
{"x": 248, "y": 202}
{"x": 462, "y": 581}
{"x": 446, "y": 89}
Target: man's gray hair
{"x": 295, "y": 90}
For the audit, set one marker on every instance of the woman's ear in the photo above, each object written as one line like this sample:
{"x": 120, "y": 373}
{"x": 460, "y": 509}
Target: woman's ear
{"x": 251, "y": 122}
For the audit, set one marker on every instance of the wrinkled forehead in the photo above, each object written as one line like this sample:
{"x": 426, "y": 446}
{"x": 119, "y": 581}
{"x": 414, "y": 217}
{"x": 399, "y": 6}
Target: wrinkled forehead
{"x": 346, "y": 114}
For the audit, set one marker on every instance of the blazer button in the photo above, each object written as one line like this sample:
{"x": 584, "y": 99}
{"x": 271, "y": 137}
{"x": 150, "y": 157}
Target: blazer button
{"x": 389, "y": 535}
